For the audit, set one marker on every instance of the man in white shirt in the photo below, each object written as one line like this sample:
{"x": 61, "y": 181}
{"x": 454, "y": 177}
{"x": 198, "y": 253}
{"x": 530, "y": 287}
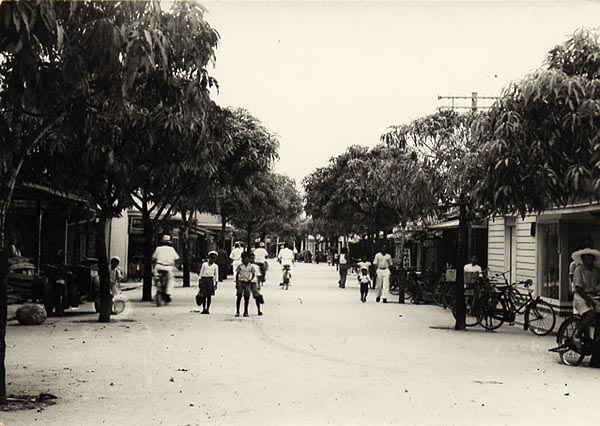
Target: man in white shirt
{"x": 472, "y": 271}
{"x": 236, "y": 256}
{"x": 382, "y": 261}
{"x": 286, "y": 256}
{"x": 260, "y": 256}
{"x": 163, "y": 259}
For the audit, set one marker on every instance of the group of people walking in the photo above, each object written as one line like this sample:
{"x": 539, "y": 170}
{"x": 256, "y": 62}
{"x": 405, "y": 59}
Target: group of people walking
{"x": 374, "y": 275}
{"x": 250, "y": 272}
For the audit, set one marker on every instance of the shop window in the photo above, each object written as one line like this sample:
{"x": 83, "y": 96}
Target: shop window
{"x": 550, "y": 261}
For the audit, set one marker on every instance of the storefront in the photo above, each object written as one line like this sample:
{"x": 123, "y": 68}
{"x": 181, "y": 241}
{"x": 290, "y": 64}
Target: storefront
{"x": 539, "y": 248}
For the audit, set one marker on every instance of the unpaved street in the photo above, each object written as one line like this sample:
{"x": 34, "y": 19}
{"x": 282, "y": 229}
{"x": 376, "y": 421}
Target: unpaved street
{"x": 317, "y": 356}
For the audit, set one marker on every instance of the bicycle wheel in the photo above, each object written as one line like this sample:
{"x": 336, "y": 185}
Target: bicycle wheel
{"x": 438, "y": 293}
{"x": 565, "y": 335}
{"x": 449, "y": 295}
{"x": 471, "y": 319}
{"x": 540, "y": 317}
{"x": 491, "y": 311}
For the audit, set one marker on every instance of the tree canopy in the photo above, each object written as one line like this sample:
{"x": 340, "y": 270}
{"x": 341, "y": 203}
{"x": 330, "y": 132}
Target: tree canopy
{"x": 541, "y": 139}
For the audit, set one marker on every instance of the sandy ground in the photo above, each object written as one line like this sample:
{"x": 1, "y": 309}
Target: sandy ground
{"x": 318, "y": 356}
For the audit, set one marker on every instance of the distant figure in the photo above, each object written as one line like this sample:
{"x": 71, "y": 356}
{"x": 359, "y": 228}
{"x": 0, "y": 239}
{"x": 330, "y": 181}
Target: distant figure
{"x": 116, "y": 275}
{"x": 236, "y": 256}
{"x": 382, "y": 261}
{"x": 260, "y": 258}
{"x": 343, "y": 267}
{"x": 222, "y": 263}
{"x": 365, "y": 282}
{"x": 472, "y": 271}
{"x": 164, "y": 258}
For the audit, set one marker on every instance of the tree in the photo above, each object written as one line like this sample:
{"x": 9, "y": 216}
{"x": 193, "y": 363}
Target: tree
{"x": 343, "y": 196}
{"x": 266, "y": 203}
{"x": 541, "y": 139}
{"x": 444, "y": 144}
{"x": 409, "y": 187}
{"x": 251, "y": 149}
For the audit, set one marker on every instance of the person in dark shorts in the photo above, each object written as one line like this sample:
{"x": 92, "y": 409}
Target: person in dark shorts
{"x": 365, "y": 281}
{"x": 245, "y": 283}
{"x": 209, "y": 277}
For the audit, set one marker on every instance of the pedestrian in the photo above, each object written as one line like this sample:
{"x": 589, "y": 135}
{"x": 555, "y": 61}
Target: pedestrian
{"x": 286, "y": 258}
{"x": 236, "y": 256}
{"x": 209, "y": 277}
{"x": 336, "y": 259}
{"x": 244, "y": 275}
{"x": 365, "y": 281}
{"x": 164, "y": 258}
{"x": 586, "y": 287}
{"x": 222, "y": 263}
{"x": 255, "y": 284}
{"x": 115, "y": 275}
{"x": 343, "y": 267}
{"x": 472, "y": 271}
{"x": 260, "y": 256}
{"x": 382, "y": 262}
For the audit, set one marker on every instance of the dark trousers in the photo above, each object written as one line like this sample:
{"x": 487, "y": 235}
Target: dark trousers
{"x": 343, "y": 274}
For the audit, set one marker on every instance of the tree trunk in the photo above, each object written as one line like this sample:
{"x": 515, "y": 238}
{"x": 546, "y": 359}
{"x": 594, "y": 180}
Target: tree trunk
{"x": 461, "y": 260}
{"x": 105, "y": 299}
{"x": 185, "y": 249}
{"x": 249, "y": 238}
{"x": 223, "y": 229}
{"x": 3, "y": 315}
{"x": 148, "y": 246}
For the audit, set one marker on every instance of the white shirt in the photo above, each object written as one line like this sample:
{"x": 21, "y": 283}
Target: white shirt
{"x": 208, "y": 271}
{"x": 260, "y": 255}
{"x": 236, "y": 254}
{"x": 286, "y": 256}
{"x": 382, "y": 260}
{"x": 342, "y": 259}
{"x": 165, "y": 256}
{"x": 469, "y": 267}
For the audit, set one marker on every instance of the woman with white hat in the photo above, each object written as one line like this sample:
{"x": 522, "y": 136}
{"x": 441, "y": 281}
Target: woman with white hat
{"x": 586, "y": 285}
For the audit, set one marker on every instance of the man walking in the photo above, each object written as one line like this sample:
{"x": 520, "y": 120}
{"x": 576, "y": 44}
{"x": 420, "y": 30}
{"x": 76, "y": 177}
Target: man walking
{"x": 382, "y": 262}
{"x": 260, "y": 256}
{"x": 236, "y": 256}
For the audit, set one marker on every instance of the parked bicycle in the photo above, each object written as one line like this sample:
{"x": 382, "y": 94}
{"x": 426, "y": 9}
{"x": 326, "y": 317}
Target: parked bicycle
{"x": 503, "y": 305}
{"x": 404, "y": 281}
{"x": 569, "y": 352}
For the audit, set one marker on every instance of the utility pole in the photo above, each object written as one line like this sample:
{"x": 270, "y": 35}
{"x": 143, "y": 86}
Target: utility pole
{"x": 475, "y": 105}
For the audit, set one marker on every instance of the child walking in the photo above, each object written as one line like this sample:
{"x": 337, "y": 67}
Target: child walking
{"x": 365, "y": 282}
{"x": 245, "y": 282}
{"x": 209, "y": 277}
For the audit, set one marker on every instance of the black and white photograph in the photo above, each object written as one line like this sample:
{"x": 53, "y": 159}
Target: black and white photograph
{"x": 298, "y": 213}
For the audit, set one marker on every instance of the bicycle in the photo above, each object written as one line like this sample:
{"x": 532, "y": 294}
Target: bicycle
{"x": 570, "y": 353}
{"x": 507, "y": 301}
{"x": 476, "y": 297}
{"x": 286, "y": 278}
{"x": 161, "y": 281}
{"x": 402, "y": 280}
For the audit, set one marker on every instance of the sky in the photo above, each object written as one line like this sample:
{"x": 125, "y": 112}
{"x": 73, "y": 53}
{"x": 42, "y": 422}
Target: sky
{"x": 327, "y": 75}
